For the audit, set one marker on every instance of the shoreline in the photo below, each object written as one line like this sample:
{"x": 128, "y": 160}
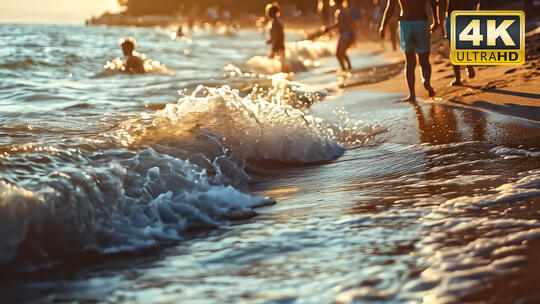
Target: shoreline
{"x": 522, "y": 281}
{"x": 508, "y": 90}
{"x": 511, "y": 91}
{"x": 150, "y": 179}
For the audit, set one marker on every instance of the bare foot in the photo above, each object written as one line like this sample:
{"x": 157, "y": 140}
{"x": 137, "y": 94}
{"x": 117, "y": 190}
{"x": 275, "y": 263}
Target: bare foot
{"x": 470, "y": 72}
{"x": 410, "y": 98}
{"x": 431, "y": 91}
{"x": 344, "y": 73}
{"x": 455, "y": 83}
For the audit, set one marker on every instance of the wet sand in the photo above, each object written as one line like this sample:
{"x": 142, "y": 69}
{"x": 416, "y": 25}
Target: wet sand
{"x": 508, "y": 90}
{"x": 520, "y": 286}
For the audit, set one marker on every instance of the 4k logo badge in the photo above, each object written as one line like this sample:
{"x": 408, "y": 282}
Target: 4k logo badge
{"x": 487, "y": 37}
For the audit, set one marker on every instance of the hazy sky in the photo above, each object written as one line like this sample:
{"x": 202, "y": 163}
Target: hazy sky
{"x": 53, "y": 11}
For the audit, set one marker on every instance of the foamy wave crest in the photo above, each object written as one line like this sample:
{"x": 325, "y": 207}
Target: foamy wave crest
{"x": 142, "y": 199}
{"x": 257, "y": 127}
{"x": 301, "y": 55}
{"x": 472, "y": 239}
{"x": 507, "y": 153}
{"x": 155, "y": 176}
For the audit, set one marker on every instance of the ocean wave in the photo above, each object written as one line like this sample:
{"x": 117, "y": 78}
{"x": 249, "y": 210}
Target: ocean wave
{"x": 300, "y": 56}
{"x": 472, "y": 239}
{"x": 25, "y": 63}
{"x": 260, "y": 126}
{"x": 148, "y": 180}
{"x": 143, "y": 199}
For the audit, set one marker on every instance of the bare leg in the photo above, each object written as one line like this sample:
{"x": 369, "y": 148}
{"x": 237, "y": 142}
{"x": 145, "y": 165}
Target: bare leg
{"x": 470, "y": 71}
{"x": 341, "y": 62}
{"x": 457, "y": 73}
{"x": 340, "y": 54}
{"x": 393, "y": 38}
{"x": 285, "y": 68}
{"x": 410, "y": 58}
{"x": 348, "y": 61}
{"x": 426, "y": 72}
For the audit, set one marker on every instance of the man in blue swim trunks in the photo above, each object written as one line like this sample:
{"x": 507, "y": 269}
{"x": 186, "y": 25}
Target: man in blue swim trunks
{"x": 414, "y": 34}
{"x": 457, "y": 5}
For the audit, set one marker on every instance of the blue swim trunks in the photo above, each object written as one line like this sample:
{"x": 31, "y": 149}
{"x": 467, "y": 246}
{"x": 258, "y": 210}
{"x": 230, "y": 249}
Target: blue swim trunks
{"x": 414, "y": 36}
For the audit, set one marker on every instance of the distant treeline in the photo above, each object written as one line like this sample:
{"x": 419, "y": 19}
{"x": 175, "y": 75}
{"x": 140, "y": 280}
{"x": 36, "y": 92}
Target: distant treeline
{"x": 166, "y": 7}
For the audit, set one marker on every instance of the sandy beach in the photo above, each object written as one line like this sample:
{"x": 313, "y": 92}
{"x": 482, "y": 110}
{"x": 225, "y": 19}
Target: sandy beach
{"x": 508, "y": 90}
{"x": 213, "y": 178}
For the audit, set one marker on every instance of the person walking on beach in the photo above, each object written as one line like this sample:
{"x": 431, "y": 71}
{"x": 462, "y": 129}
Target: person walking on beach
{"x": 414, "y": 34}
{"x": 133, "y": 63}
{"x": 277, "y": 38}
{"x": 453, "y": 5}
{"x": 344, "y": 22}
{"x": 394, "y": 30}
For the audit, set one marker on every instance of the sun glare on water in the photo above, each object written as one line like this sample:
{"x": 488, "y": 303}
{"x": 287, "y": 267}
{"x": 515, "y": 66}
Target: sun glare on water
{"x": 54, "y": 11}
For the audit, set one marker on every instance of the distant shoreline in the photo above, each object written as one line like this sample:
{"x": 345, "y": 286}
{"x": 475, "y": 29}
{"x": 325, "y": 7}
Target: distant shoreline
{"x": 124, "y": 19}
{"x": 308, "y": 23}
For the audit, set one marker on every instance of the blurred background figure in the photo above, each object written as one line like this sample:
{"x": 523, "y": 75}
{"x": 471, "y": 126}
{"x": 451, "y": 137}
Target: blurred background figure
{"x": 376, "y": 14}
{"x": 323, "y": 9}
{"x": 393, "y": 29}
{"x": 132, "y": 61}
{"x": 277, "y": 38}
{"x": 226, "y": 18}
{"x": 212, "y": 14}
{"x": 345, "y": 24}
{"x": 446, "y": 7}
{"x": 179, "y": 31}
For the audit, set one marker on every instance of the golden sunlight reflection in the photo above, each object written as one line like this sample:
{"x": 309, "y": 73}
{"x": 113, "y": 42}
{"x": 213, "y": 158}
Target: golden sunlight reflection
{"x": 150, "y": 66}
{"x": 281, "y": 192}
{"x": 54, "y": 11}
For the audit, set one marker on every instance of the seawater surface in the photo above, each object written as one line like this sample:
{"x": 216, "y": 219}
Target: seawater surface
{"x": 213, "y": 181}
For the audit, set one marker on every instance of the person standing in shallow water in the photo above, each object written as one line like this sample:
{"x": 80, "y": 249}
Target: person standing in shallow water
{"x": 414, "y": 34}
{"x": 277, "y": 38}
{"x": 344, "y": 22}
{"x": 454, "y": 5}
{"x": 179, "y": 31}
{"x": 132, "y": 62}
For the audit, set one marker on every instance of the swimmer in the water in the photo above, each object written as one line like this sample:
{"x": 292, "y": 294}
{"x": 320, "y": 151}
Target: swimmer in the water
{"x": 132, "y": 62}
{"x": 345, "y": 25}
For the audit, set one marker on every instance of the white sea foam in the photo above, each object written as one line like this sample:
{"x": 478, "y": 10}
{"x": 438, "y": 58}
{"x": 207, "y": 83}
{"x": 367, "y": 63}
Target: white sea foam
{"x": 258, "y": 126}
{"x": 160, "y": 174}
{"x": 300, "y": 55}
{"x": 14, "y": 221}
{"x": 134, "y": 202}
{"x": 467, "y": 241}
{"x": 506, "y": 152}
